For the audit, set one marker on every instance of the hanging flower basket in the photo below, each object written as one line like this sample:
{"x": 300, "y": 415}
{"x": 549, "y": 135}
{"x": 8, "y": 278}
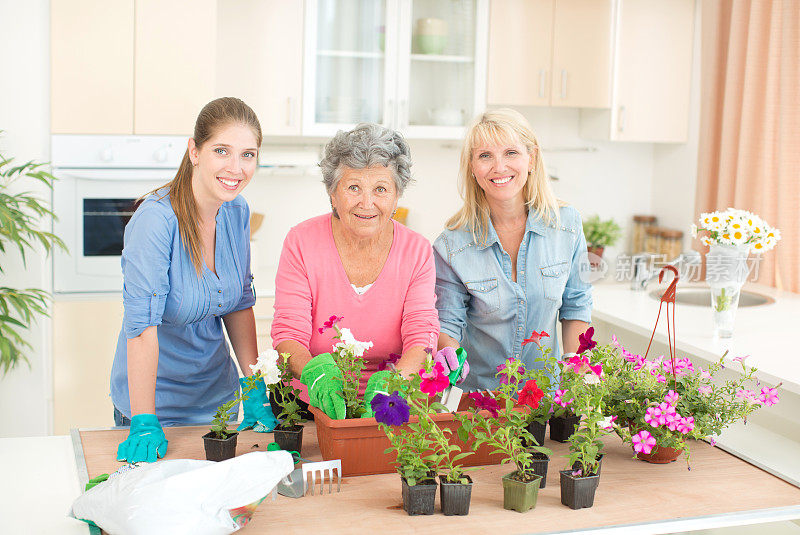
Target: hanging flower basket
{"x": 660, "y": 455}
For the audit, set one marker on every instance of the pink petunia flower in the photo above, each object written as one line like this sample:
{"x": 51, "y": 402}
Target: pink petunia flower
{"x": 672, "y": 420}
{"x": 748, "y": 395}
{"x": 653, "y": 416}
{"x": 740, "y": 359}
{"x": 581, "y": 365}
{"x": 434, "y": 381}
{"x": 769, "y": 396}
{"x": 484, "y": 402}
{"x": 704, "y": 374}
{"x": 704, "y": 389}
{"x": 643, "y": 442}
{"x": 686, "y": 425}
{"x": 585, "y": 340}
{"x": 672, "y": 397}
{"x": 333, "y": 320}
{"x": 558, "y": 398}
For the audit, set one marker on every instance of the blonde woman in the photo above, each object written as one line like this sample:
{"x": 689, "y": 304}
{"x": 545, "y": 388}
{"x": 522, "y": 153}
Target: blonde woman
{"x": 509, "y": 261}
{"x": 186, "y": 270}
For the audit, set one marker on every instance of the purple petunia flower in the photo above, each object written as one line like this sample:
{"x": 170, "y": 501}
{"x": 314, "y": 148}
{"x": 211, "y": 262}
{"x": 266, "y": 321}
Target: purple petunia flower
{"x": 391, "y": 409}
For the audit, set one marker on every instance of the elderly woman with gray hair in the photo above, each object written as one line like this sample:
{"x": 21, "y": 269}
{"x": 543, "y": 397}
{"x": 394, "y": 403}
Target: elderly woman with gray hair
{"x": 358, "y": 264}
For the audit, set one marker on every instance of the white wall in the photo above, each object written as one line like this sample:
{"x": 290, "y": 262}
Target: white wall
{"x": 675, "y": 165}
{"x": 26, "y": 393}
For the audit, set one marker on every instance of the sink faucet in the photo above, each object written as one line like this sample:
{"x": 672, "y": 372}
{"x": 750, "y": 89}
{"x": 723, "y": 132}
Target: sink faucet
{"x": 642, "y": 276}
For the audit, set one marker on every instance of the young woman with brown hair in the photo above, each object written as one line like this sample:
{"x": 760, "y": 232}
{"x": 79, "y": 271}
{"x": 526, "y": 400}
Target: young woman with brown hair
{"x": 186, "y": 269}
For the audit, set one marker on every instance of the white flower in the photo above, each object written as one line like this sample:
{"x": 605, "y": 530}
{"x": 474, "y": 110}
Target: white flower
{"x": 707, "y": 241}
{"x": 694, "y": 230}
{"x": 267, "y": 366}
{"x": 714, "y": 221}
{"x": 349, "y": 343}
{"x": 591, "y": 379}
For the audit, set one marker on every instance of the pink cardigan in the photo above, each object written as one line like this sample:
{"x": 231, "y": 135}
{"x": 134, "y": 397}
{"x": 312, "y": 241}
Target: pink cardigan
{"x": 397, "y": 313}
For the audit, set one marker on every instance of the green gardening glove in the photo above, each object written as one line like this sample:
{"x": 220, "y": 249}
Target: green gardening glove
{"x": 146, "y": 441}
{"x": 324, "y": 381}
{"x": 376, "y": 385}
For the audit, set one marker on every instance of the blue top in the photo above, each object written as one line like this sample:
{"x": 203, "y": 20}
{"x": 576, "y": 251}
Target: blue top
{"x": 196, "y": 373}
{"x": 488, "y": 313}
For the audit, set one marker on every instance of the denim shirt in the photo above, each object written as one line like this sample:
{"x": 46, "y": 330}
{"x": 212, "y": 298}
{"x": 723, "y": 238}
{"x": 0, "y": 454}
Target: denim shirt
{"x": 488, "y": 313}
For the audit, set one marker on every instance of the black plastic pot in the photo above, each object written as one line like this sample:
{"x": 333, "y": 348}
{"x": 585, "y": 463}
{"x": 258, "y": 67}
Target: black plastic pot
{"x": 220, "y": 449}
{"x": 518, "y": 495}
{"x": 290, "y": 438}
{"x": 420, "y": 498}
{"x": 537, "y": 430}
{"x": 578, "y": 465}
{"x": 562, "y": 427}
{"x": 577, "y": 492}
{"x": 455, "y": 497}
{"x": 540, "y": 463}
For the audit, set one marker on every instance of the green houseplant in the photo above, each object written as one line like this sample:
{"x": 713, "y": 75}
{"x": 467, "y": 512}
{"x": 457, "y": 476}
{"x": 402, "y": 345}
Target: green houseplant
{"x": 600, "y": 233}
{"x": 423, "y": 446}
{"x": 20, "y": 215}
{"x": 289, "y": 434}
{"x": 220, "y": 444}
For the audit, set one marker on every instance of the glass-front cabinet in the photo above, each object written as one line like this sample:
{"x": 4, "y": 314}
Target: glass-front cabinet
{"x": 418, "y": 66}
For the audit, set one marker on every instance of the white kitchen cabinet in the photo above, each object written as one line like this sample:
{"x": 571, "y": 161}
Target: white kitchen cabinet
{"x": 260, "y": 59}
{"x": 414, "y": 65}
{"x": 174, "y": 66}
{"x": 91, "y": 48}
{"x": 652, "y": 75}
{"x": 551, "y": 53}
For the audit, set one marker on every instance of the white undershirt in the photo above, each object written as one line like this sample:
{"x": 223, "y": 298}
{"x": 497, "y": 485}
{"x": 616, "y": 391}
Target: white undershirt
{"x": 362, "y": 290}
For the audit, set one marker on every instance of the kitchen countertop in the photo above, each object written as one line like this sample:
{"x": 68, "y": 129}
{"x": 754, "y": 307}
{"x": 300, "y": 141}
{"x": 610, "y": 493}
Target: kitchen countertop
{"x": 765, "y": 332}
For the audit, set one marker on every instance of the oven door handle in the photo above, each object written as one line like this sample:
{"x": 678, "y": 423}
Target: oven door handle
{"x": 115, "y": 175}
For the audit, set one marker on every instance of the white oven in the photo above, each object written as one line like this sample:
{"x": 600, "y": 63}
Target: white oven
{"x": 99, "y": 180}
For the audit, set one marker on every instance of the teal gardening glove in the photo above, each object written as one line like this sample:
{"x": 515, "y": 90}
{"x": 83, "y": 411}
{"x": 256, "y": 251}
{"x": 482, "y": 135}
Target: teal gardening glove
{"x": 376, "y": 385}
{"x": 257, "y": 411}
{"x": 324, "y": 381}
{"x": 146, "y": 441}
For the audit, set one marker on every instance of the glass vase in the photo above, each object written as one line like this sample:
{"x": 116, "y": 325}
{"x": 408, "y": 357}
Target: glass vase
{"x": 726, "y": 272}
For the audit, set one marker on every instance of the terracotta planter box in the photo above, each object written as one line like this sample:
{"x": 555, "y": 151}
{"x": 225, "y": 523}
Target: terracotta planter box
{"x": 360, "y": 444}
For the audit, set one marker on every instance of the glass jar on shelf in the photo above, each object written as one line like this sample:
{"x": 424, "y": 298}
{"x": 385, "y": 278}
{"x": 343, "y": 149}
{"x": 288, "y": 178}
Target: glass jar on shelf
{"x": 652, "y": 240}
{"x": 671, "y": 243}
{"x": 640, "y": 224}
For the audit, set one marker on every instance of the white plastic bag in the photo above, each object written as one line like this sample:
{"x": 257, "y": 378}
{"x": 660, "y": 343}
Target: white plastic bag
{"x": 184, "y": 496}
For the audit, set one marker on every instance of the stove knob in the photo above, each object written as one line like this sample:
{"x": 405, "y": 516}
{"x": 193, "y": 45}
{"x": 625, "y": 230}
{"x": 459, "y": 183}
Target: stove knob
{"x": 160, "y": 155}
{"x": 107, "y": 154}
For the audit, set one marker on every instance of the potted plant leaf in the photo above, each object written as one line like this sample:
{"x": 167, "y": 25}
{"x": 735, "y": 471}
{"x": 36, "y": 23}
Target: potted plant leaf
{"x": 588, "y": 388}
{"x": 417, "y": 468}
{"x": 599, "y": 234}
{"x": 219, "y": 442}
{"x": 20, "y": 229}
{"x": 503, "y": 428}
{"x": 431, "y": 442}
{"x": 289, "y": 433}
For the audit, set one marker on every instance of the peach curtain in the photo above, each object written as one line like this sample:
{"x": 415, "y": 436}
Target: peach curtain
{"x": 749, "y": 150}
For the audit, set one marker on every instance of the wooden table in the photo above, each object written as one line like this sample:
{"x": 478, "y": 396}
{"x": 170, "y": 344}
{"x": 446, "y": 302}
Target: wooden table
{"x": 633, "y": 496}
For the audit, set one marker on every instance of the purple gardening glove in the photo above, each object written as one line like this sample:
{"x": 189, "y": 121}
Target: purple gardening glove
{"x": 448, "y": 357}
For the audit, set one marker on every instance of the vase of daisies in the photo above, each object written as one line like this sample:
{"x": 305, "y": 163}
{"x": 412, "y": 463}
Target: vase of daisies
{"x": 731, "y": 235}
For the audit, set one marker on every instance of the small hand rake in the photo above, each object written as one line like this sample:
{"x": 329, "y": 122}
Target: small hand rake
{"x": 322, "y": 469}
